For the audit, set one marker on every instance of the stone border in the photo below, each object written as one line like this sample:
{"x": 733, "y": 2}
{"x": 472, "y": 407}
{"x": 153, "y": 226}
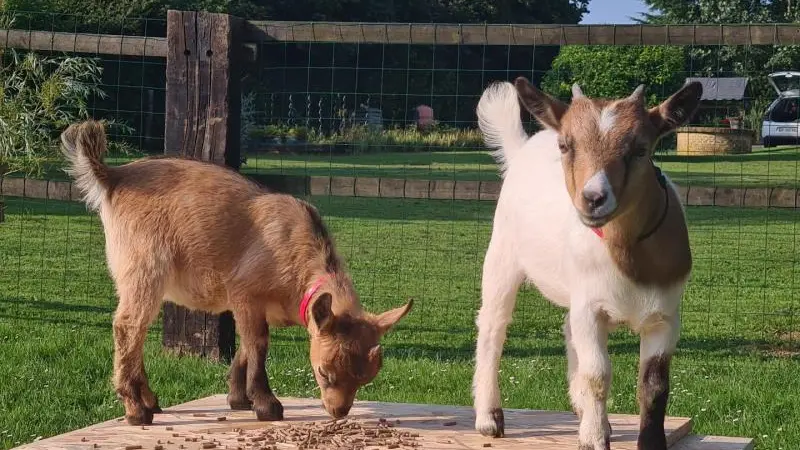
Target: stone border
{"x": 716, "y": 130}
{"x": 43, "y": 189}
{"x": 422, "y": 189}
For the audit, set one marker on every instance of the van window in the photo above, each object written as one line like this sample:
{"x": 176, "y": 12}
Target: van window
{"x": 786, "y": 110}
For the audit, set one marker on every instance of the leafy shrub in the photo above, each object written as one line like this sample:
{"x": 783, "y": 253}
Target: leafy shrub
{"x": 614, "y": 72}
{"x": 365, "y": 139}
{"x": 40, "y": 96}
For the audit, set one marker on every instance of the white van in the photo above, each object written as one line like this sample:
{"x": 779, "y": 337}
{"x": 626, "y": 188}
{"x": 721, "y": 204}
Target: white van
{"x": 781, "y": 121}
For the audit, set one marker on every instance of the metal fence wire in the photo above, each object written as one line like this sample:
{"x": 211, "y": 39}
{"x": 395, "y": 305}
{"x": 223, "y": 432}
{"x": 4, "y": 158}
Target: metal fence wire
{"x": 375, "y": 124}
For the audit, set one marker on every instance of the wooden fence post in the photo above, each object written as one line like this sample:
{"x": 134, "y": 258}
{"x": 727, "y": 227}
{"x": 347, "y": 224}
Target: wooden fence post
{"x": 203, "y": 114}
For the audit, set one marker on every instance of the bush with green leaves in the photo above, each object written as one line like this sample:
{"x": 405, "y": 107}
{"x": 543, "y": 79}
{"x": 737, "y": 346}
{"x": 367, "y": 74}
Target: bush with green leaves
{"x": 39, "y": 97}
{"x": 613, "y": 72}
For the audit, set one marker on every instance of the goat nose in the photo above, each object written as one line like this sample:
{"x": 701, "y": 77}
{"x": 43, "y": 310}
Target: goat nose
{"x": 340, "y": 412}
{"x": 594, "y": 199}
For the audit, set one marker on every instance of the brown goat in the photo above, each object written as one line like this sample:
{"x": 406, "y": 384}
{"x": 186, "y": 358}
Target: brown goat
{"x": 206, "y": 238}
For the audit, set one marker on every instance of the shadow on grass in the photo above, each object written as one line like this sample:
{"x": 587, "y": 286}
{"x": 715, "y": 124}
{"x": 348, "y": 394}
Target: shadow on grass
{"x": 44, "y": 207}
{"x": 399, "y": 209}
{"x": 406, "y": 345}
{"x": 707, "y": 348}
{"x": 436, "y": 155}
{"x": 44, "y": 305}
{"x": 779, "y": 154}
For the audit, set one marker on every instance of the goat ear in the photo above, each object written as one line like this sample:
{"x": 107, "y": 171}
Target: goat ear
{"x": 546, "y": 109}
{"x": 388, "y": 319}
{"x": 638, "y": 95}
{"x": 322, "y": 312}
{"x": 678, "y": 109}
{"x": 375, "y": 353}
{"x": 577, "y": 92}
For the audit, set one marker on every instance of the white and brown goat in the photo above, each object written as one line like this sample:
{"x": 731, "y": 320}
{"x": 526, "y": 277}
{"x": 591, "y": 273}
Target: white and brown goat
{"x": 586, "y": 217}
{"x": 204, "y": 237}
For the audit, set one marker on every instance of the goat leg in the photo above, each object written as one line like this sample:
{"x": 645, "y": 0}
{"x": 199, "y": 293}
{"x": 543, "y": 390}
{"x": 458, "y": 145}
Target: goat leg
{"x": 500, "y": 282}
{"x": 254, "y": 331}
{"x": 237, "y": 383}
{"x": 657, "y": 345}
{"x": 590, "y": 375}
{"x": 134, "y": 313}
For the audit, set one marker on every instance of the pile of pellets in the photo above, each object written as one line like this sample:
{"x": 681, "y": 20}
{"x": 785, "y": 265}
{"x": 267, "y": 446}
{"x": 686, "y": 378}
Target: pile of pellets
{"x": 341, "y": 434}
{"x": 334, "y": 434}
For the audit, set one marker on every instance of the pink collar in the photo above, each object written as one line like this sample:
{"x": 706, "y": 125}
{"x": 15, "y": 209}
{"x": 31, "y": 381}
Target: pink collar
{"x": 598, "y": 232}
{"x": 307, "y": 298}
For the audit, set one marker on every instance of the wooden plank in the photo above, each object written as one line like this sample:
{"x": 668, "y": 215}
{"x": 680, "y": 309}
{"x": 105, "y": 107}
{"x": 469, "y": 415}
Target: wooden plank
{"x": 188, "y": 124}
{"x": 200, "y": 85}
{"x": 522, "y": 34}
{"x": 203, "y": 90}
{"x": 528, "y": 429}
{"x": 714, "y": 443}
{"x": 84, "y": 43}
{"x": 177, "y": 78}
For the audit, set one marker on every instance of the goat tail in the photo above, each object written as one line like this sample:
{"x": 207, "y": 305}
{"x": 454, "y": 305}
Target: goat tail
{"x": 83, "y": 145}
{"x": 499, "y": 120}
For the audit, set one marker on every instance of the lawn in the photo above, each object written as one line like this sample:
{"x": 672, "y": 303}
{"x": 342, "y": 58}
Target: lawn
{"x": 775, "y": 167}
{"x": 735, "y": 374}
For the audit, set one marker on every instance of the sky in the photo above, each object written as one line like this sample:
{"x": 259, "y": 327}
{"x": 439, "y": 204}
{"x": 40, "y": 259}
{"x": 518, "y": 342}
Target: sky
{"x": 613, "y": 11}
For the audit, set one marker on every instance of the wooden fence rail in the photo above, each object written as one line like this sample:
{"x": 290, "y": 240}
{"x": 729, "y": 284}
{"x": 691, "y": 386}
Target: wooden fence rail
{"x": 102, "y": 44}
{"x": 423, "y": 34}
{"x": 540, "y": 35}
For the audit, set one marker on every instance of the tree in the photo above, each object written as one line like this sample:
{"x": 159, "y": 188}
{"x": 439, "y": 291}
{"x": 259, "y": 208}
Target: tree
{"x": 130, "y": 16}
{"x": 754, "y": 62}
{"x": 612, "y": 72}
{"x": 138, "y": 17}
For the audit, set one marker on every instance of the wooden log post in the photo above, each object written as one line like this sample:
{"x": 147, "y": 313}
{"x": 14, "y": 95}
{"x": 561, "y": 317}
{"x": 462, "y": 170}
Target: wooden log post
{"x": 203, "y": 114}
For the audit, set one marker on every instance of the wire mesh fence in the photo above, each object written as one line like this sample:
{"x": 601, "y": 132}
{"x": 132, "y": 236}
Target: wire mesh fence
{"x": 382, "y": 137}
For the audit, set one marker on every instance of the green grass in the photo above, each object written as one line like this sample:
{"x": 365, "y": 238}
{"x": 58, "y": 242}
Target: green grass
{"x": 776, "y": 167}
{"x": 736, "y": 372}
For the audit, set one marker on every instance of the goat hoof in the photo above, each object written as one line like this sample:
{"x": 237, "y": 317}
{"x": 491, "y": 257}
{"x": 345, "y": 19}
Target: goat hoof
{"x": 608, "y": 430}
{"x": 492, "y": 424}
{"x": 652, "y": 444}
{"x": 154, "y": 408}
{"x": 239, "y": 403}
{"x": 605, "y": 445}
{"x": 270, "y": 412}
{"x": 143, "y": 418}
{"x": 597, "y": 444}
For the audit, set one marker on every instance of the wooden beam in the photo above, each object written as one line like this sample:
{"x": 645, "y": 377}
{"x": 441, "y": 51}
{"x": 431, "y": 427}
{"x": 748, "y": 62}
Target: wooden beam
{"x": 424, "y": 34}
{"x": 542, "y": 35}
{"x": 202, "y": 122}
{"x": 203, "y": 87}
{"x": 104, "y": 44}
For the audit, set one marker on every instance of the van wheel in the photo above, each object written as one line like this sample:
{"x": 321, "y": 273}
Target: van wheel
{"x": 768, "y": 143}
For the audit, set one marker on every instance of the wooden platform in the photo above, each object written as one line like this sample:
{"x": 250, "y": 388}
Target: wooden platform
{"x": 439, "y": 428}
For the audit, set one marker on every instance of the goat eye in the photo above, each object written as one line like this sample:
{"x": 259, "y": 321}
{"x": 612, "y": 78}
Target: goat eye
{"x": 563, "y": 147}
{"x": 323, "y": 375}
{"x": 327, "y": 378}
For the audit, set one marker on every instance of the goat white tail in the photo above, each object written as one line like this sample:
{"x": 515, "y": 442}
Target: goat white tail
{"x": 500, "y": 122}
{"x": 84, "y": 144}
